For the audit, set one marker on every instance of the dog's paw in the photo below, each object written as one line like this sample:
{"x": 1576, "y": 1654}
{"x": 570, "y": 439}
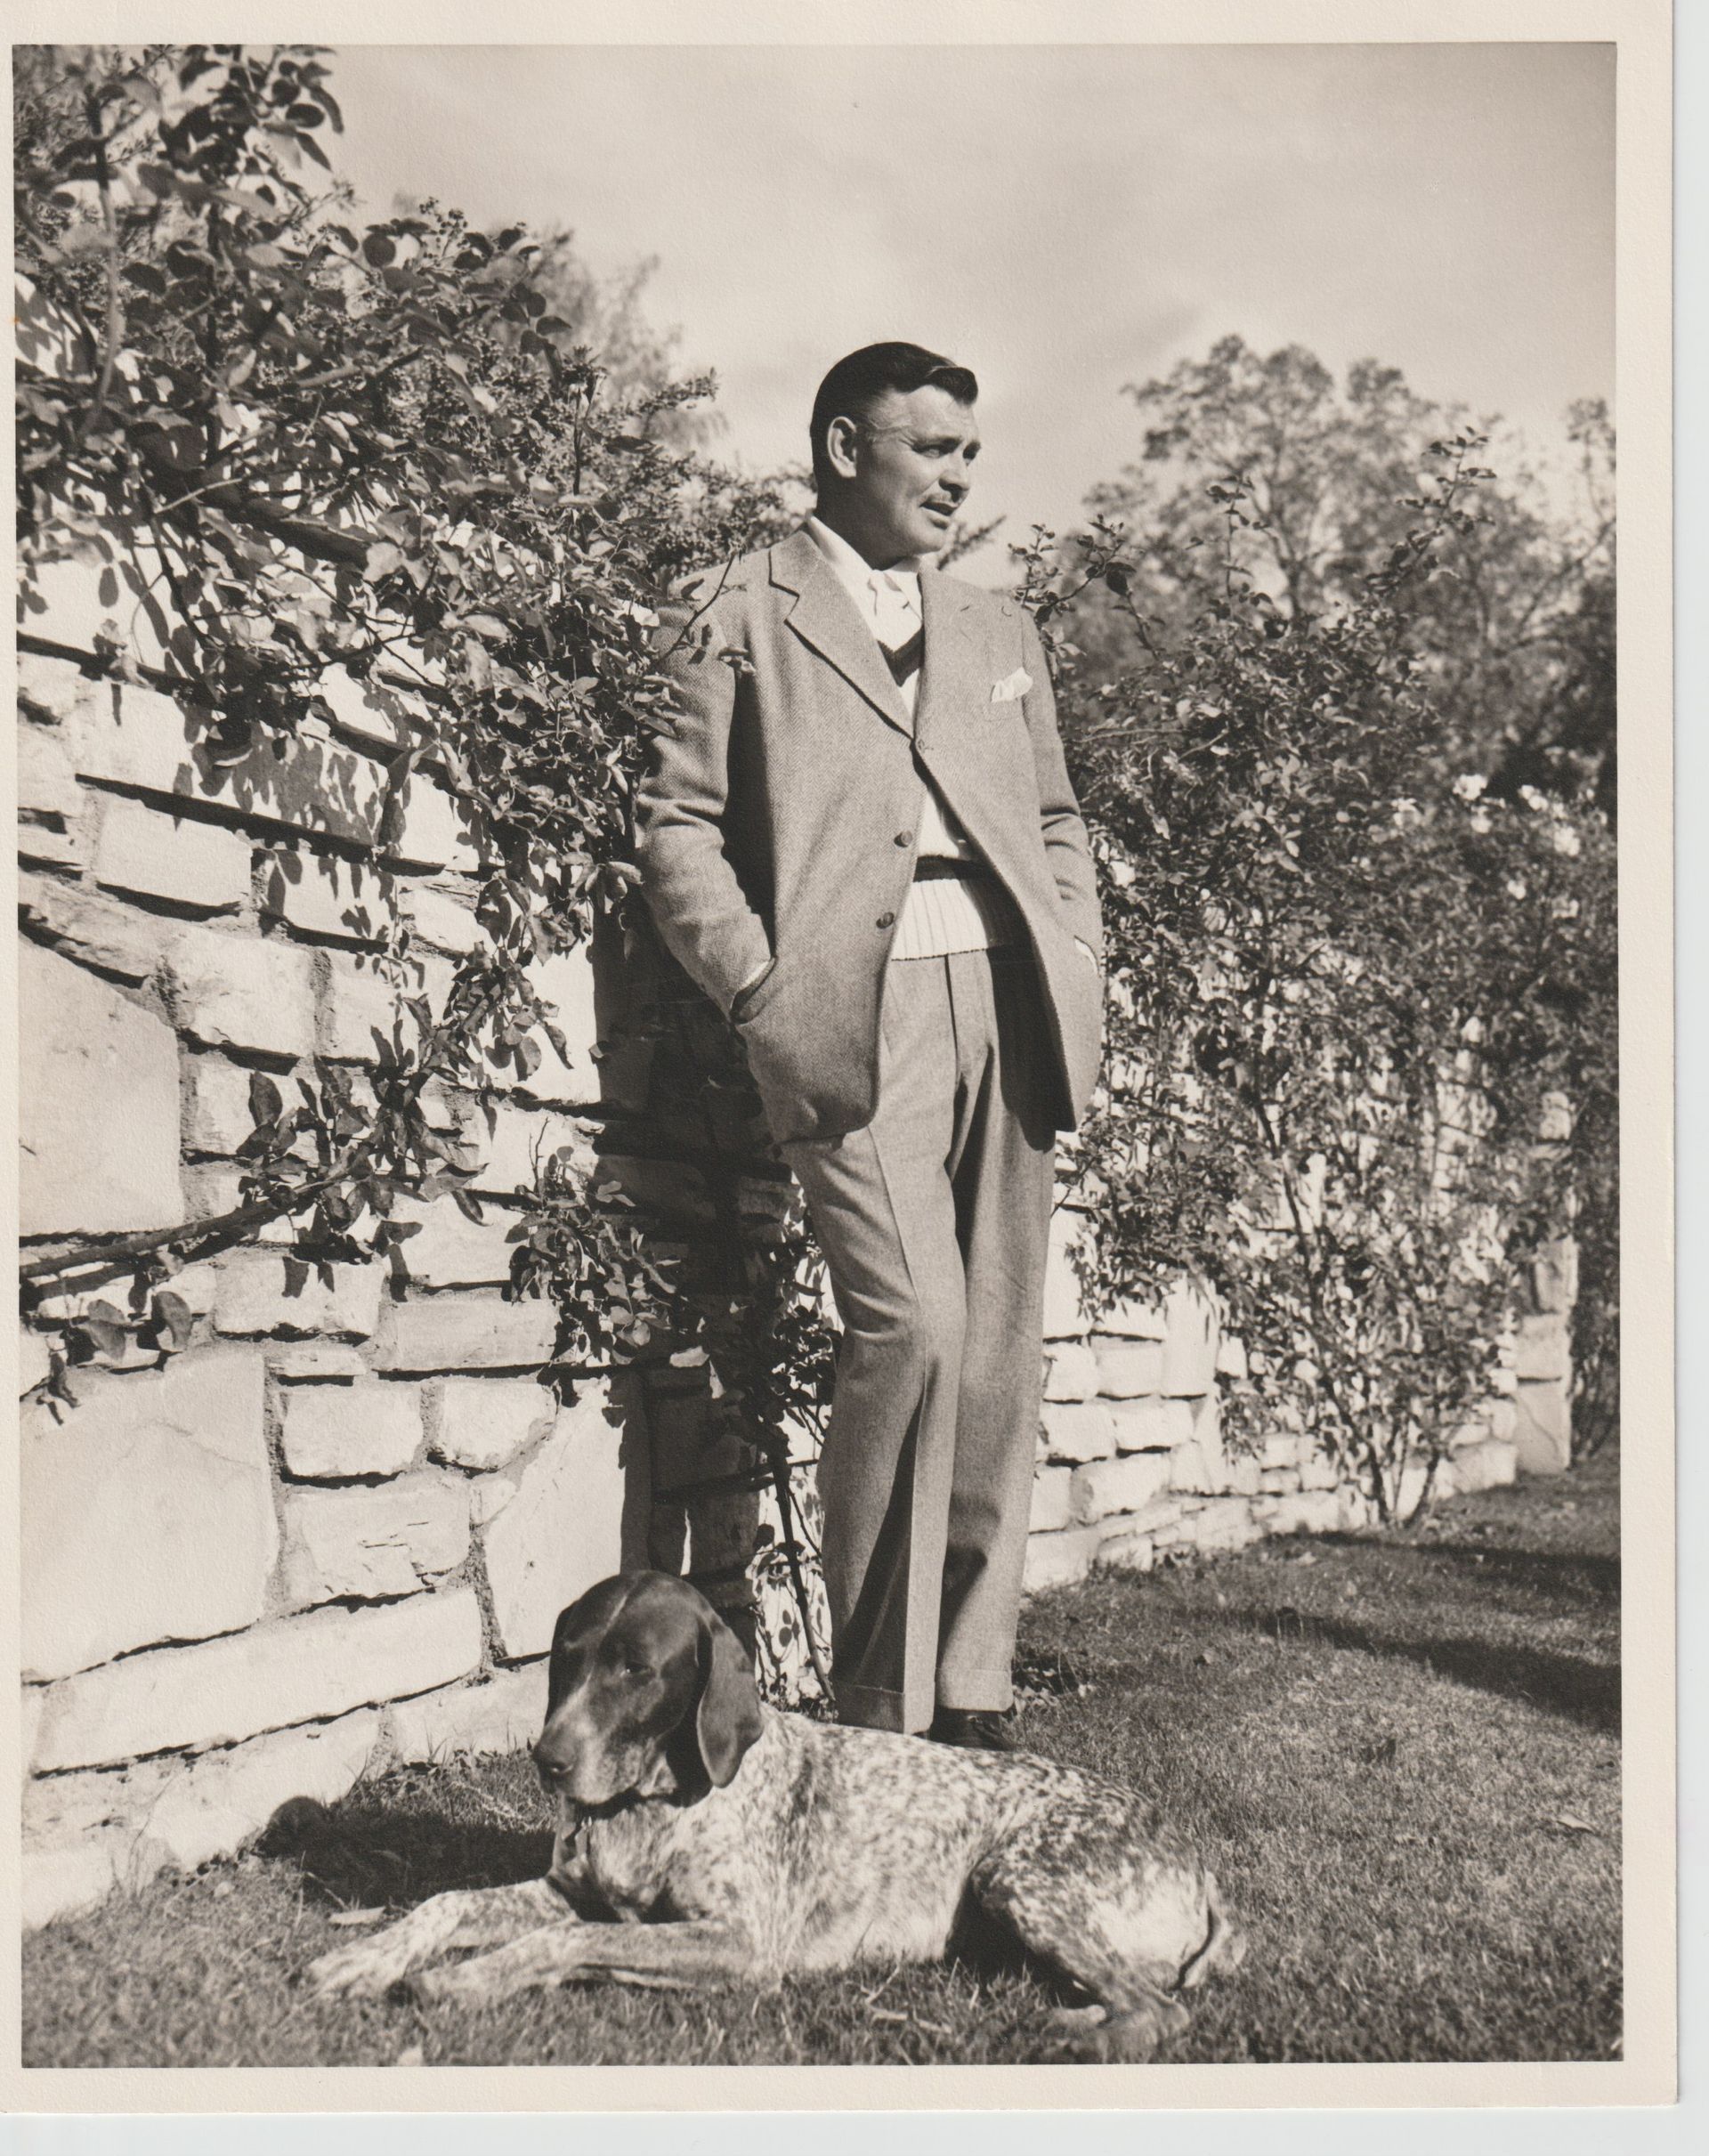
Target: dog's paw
{"x": 352, "y": 1972}
{"x": 1131, "y": 2038}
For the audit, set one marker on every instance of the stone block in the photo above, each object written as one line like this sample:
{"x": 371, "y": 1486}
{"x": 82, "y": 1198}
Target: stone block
{"x": 46, "y": 844}
{"x": 1078, "y": 1430}
{"x": 216, "y": 1115}
{"x": 307, "y": 1362}
{"x": 564, "y": 1530}
{"x": 676, "y": 1199}
{"x": 1070, "y": 1371}
{"x": 360, "y": 1004}
{"x": 430, "y": 832}
{"x": 331, "y": 1432}
{"x": 1226, "y": 1523}
{"x": 1065, "y": 1317}
{"x": 34, "y": 1361}
{"x": 72, "y": 1878}
{"x": 564, "y": 983}
{"x": 481, "y": 1423}
{"x": 377, "y": 716}
{"x": 1231, "y": 1357}
{"x": 327, "y": 895}
{"x": 212, "y": 1189}
{"x": 1189, "y": 1344}
{"x": 442, "y": 916}
{"x": 1162, "y": 1517}
{"x": 151, "y": 850}
{"x": 1199, "y": 1468}
{"x": 1128, "y": 1552}
{"x": 260, "y": 1292}
{"x": 211, "y": 1806}
{"x": 1129, "y": 1369}
{"x": 1543, "y": 1428}
{"x": 371, "y": 1545}
{"x": 307, "y": 1668}
{"x": 504, "y": 1713}
{"x": 125, "y": 734}
{"x": 238, "y": 990}
{"x": 1104, "y": 1486}
{"x": 488, "y": 1494}
{"x": 1554, "y": 1276}
{"x": 1319, "y": 1471}
{"x": 54, "y": 691}
{"x": 1152, "y": 1425}
{"x": 148, "y": 1513}
{"x": 1054, "y": 1561}
{"x": 1301, "y": 1512}
{"x": 1543, "y": 1350}
{"x": 94, "y": 929}
{"x": 465, "y": 1332}
{"x": 1052, "y": 1499}
{"x": 47, "y": 784}
{"x": 1131, "y": 1320}
{"x": 508, "y": 1156}
{"x": 1285, "y": 1448}
{"x": 1483, "y": 1467}
{"x": 450, "y": 1250}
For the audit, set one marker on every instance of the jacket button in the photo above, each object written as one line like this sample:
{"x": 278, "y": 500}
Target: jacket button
{"x": 885, "y": 919}
{"x": 904, "y": 837}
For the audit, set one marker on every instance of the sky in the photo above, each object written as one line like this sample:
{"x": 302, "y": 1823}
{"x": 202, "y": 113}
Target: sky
{"x": 1063, "y": 219}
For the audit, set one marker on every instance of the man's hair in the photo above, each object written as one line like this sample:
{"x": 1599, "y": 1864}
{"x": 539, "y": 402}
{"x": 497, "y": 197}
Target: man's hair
{"x": 855, "y": 383}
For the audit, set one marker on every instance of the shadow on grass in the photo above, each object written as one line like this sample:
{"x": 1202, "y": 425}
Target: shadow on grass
{"x": 1575, "y": 1573}
{"x": 363, "y": 1859}
{"x": 1586, "y": 1692}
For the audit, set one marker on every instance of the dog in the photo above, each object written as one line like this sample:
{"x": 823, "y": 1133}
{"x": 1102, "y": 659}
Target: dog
{"x": 703, "y": 1837}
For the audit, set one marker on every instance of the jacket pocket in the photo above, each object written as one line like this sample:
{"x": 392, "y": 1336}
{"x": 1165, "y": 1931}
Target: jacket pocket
{"x": 753, "y": 997}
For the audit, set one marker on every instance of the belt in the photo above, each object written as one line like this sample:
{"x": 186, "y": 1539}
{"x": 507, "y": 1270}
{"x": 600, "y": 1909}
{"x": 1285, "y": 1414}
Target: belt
{"x": 937, "y": 868}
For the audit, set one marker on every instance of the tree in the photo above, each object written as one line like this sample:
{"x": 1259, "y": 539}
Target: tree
{"x": 1512, "y": 618}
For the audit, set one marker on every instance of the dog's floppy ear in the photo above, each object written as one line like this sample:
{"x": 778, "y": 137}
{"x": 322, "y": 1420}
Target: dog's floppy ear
{"x": 728, "y": 1719}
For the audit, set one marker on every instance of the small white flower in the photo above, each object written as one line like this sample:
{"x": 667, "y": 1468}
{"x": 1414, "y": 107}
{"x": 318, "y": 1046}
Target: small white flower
{"x": 1566, "y": 840}
{"x": 1470, "y": 784}
{"x": 1479, "y": 820}
{"x": 1407, "y": 816}
{"x": 1516, "y": 887}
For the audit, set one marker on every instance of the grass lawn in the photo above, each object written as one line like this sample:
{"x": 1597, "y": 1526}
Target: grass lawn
{"x": 1401, "y": 1755}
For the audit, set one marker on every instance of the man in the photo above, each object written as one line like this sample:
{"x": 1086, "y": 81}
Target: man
{"x": 860, "y": 840}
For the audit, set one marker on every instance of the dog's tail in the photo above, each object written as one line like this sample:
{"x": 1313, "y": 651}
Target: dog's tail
{"x": 1224, "y": 1943}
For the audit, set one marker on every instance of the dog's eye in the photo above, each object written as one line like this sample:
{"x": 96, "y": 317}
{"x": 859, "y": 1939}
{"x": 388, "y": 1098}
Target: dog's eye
{"x": 638, "y": 1669}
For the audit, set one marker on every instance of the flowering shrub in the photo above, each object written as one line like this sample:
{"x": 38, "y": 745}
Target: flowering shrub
{"x": 1350, "y": 1001}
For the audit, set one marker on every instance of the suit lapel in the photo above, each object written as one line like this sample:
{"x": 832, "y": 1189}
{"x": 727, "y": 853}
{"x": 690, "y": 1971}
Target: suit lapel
{"x": 827, "y": 619}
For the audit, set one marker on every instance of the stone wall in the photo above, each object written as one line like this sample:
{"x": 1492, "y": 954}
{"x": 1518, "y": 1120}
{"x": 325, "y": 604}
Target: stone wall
{"x": 334, "y": 1533}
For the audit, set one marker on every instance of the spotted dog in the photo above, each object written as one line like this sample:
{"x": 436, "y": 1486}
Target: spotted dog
{"x": 701, "y": 1837}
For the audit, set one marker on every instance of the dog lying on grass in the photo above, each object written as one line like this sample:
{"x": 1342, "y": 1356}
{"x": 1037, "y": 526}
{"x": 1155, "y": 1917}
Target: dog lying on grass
{"x": 703, "y": 1838}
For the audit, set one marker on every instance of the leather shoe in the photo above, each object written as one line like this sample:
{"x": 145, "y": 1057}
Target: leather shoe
{"x": 975, "y": 1728}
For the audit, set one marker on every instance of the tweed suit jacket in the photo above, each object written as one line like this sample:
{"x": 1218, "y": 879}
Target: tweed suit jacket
{"x": 778, "y": 823}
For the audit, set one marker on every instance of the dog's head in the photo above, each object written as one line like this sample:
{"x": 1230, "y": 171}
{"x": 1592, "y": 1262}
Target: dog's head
{"x": 649, "y": 1694}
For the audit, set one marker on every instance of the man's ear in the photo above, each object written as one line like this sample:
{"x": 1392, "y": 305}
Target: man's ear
{"x": 727, "y": 1717}
{"x": 840, "y": 437}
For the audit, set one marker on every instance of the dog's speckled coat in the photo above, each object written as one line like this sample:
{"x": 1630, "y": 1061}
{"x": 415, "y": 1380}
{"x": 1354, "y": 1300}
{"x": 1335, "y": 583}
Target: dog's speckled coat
{"x": 704, "y": 1837}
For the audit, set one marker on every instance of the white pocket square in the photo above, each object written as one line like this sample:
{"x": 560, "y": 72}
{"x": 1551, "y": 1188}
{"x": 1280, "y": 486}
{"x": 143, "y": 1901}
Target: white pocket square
{"x": 1011, "y": 686}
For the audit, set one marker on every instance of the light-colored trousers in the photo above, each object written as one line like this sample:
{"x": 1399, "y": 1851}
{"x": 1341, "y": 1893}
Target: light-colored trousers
{"x": 934, "y": 1222}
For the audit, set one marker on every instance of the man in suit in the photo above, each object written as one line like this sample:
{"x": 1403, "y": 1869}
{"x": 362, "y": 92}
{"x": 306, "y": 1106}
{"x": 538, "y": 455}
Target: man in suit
{"x": 859, "y": 838}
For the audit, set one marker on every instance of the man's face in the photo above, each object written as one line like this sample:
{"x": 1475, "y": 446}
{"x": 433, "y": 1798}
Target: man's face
{"x": 907, "y": 468}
